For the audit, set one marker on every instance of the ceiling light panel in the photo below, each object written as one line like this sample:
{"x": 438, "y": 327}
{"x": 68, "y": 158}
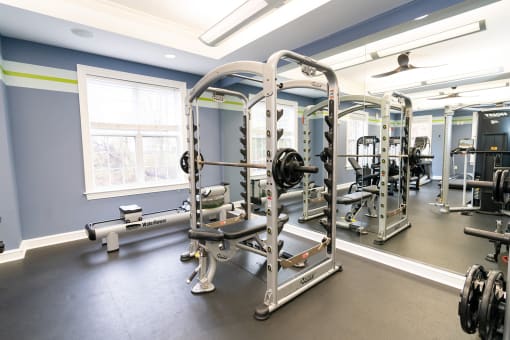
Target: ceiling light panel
{"x": 245, "y": 13}
{"x": 427, "y": 40}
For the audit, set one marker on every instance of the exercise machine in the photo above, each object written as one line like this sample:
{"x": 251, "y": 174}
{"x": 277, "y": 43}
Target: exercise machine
{"x": 423, "y": 169}
{"x": 464, "y": 148}
{"x": 284, "y": 168}
{"x": 216, "y": 201}
{"x": 483, "y": 304}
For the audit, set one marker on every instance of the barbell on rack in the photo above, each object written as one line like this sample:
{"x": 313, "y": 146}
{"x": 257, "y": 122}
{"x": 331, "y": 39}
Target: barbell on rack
{"x": 414, "y": 156}
{"x": 288, "y": 166}
{"x": 500, "y": 184}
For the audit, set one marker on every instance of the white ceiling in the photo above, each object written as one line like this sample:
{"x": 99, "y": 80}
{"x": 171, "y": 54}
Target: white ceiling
{"x": 484, "y": 54}
{"x": 143, "y": 31}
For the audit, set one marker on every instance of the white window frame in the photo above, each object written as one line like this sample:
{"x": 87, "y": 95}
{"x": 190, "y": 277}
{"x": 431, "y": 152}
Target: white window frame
{"x": 292, "y": 103}
{"x": 91, "y": 192}
{"x": 359, "y": 116}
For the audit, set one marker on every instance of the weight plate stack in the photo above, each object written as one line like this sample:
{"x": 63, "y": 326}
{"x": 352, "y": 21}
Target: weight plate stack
{"x": 470, "y": 298}
{"x": 490, "y": 315}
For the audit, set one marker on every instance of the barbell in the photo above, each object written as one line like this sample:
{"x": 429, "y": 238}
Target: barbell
{"x": 414, "y": 156}
{"x": 288, "y": 166}
{"x": 500, "y": 185}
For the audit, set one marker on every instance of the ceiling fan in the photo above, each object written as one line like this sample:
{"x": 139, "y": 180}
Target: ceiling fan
{"x": 403, "y": 65}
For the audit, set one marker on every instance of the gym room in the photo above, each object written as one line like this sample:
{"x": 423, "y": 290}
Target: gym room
{"x": 246, "y": 169}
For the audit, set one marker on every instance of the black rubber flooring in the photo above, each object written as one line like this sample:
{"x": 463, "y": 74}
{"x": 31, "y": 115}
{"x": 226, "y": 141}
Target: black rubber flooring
{"x": 78, "y": 291}
{"x": 434, "y": 238}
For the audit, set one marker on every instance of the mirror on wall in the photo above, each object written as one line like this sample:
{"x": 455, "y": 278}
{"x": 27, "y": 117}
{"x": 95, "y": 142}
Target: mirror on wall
{"x": 456, "y": 68}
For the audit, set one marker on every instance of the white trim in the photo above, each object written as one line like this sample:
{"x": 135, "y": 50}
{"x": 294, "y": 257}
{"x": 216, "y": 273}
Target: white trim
{"x": 39, "y": 242}
{"x": 90, "y": 191}
{"x": 441, "y": 276}
{"x": 12, "y": 255}
{"x": 437, "y": 178}
{"x": 93, "y": 195}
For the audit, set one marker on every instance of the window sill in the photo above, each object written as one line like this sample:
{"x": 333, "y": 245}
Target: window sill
{"x": 99, "y": 194}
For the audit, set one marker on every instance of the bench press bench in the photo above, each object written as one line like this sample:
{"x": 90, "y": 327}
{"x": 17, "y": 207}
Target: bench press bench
{"x": 358, "y": 200}
{"x": 220, "y": 241}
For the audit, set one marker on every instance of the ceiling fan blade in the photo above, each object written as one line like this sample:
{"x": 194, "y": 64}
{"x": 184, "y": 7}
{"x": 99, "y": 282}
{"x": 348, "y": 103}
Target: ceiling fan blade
{"x": 385, "y": 74}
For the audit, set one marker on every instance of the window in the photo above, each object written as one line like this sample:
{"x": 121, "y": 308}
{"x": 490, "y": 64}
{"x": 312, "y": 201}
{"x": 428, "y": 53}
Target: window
{"x": 421, "y": 126}
{"x": 132, "y": 132}
{"x": 288, "y": 122}
{"x": 356, "y": 127}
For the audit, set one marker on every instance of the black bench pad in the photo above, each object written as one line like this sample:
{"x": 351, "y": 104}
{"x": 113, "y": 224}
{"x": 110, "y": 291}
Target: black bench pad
{"x": 353, "y": 198}
{"x": 254, "y": 225}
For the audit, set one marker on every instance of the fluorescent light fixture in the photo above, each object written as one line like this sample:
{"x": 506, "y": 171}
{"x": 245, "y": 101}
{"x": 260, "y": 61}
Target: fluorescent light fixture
{"x": 421, "y": 17}
{"x": 170, "y": 56}
{"x": 468, "y": 75}
{"x": 432, "y": 39}
{"x": 453, "y": 78}
{"x": 242, "y": 15}
{"x": 348, "y": 58}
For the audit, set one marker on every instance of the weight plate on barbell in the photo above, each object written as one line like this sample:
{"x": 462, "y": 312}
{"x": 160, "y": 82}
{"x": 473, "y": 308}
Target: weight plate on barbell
{"x": 496, "y": 177}
{"x": 470, "y": 298}
{"x": 283, "y": 172}
{"x": 501, "y": 191}
{"x": 489, "y": 315}
{"x": 184, "y": 162}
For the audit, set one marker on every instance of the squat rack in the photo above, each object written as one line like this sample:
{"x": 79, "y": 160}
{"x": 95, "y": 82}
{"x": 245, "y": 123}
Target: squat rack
{"x": 277, "y": 294}
{"x": 386, "y": 229}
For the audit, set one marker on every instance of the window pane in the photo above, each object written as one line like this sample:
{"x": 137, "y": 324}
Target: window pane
{"x": 258, "y": 132}
{"x": 114, "y": 160}
{"x": 135, "y": 131}
{"x": 160, "y": 159}
{"x": 111, "y": 101}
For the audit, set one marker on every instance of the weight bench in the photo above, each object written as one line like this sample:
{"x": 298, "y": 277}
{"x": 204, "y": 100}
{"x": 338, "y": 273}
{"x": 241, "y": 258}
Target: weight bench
{"x": 358, "y": 200}
{"x": 223, "y": 240}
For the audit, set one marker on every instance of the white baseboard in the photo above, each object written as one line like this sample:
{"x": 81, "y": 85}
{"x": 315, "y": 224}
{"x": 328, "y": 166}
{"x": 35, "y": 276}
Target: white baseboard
{"x": 38, "y": 242}
{"x": 437, "y": 178}
{"x": 441, "y": 276}
{"x": 12, "y": 255}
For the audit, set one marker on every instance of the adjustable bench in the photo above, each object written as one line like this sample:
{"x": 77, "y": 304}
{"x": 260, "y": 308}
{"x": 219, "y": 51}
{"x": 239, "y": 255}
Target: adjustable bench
{"x": 357, "y": 200}
{"x": 222, "y": 242}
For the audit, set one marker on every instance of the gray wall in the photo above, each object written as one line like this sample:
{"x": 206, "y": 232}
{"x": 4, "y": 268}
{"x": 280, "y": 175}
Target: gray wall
{"x": 47, "y": 153}
{"x": 10, "y": 228}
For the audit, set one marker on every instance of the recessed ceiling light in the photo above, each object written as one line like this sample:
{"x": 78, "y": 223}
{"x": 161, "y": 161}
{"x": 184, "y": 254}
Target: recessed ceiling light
{"x": 82, "y": 33}
{"x": 170, "y": 56}
{"x": 421, "y": 17}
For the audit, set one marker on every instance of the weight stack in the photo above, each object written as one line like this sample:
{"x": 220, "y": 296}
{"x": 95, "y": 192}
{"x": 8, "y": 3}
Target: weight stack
{"x": 244, "y": 172}
{"x": 328, "y": 158}
{"x": 279, "y": 134}
{"x": 196, "y": 174}
{"x": 404, "y": 162}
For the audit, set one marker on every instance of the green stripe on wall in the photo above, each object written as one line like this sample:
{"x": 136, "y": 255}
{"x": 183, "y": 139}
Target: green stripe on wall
{"x": 37, "y": 76}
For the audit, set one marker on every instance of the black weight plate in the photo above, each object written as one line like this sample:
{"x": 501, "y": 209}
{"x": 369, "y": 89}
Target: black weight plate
{"x": 184, "y": 162}
{"x": 488, "y": 316}
{"x": 496, "y": 177}
{"x": 290, "y": 176}
{"x": 501, "y": 190}
{"x": 470, "y": 298}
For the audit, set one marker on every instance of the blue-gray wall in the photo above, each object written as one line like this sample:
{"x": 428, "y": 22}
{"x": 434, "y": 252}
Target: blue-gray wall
{"x": 10, "y": 228}
{"x": 46, "y": 142}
